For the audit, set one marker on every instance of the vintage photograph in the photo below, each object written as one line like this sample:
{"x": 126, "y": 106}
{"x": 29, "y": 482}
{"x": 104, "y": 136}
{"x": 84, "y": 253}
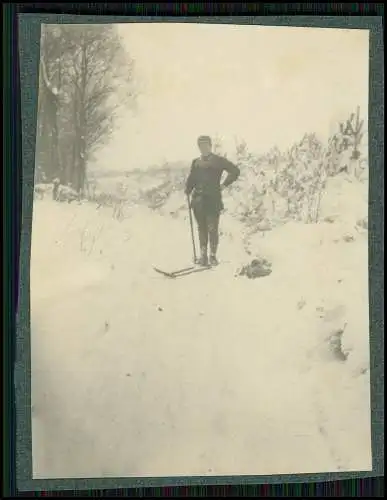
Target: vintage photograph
{"x": 199, "y": 256}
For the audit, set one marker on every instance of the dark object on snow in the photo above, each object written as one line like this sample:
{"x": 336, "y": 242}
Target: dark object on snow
{"x": 256, "y": 269}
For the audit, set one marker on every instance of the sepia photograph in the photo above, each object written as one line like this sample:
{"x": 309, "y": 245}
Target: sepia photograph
{"x": 199, "y": 258}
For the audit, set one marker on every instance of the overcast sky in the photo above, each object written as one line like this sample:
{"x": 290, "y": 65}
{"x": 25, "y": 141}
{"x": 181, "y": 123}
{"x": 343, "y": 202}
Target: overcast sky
{"x": 268, "y": 85}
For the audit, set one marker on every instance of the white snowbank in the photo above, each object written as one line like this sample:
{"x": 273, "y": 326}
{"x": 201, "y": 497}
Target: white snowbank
{"x": 345, "y": 199}
{"x": 134, "y": 374}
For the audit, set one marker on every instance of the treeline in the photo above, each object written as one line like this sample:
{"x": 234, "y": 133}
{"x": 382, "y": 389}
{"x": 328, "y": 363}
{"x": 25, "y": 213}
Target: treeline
{"x": 86, "y": 77}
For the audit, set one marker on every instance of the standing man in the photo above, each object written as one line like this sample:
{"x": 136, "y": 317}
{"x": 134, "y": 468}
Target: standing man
{"x": 204, "y": 182}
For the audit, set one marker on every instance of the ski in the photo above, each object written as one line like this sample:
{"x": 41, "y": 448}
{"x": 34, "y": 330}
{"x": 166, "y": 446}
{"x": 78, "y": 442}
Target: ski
{"x": 181, "y": 272}
{"x": 164, "y": 273}
{"x": 172, "y": 274}
{"x": 193, "y": 271}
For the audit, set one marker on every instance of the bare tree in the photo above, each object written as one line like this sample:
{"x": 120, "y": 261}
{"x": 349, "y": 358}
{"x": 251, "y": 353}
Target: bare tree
{"x": 93, "y": 75}
{"x": 352, "y": 134}
{"x": 48, "y": 106}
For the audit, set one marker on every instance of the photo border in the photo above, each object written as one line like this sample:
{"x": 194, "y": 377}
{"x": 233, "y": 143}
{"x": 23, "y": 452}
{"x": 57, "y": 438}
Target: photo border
{"x": 29, "y": 40}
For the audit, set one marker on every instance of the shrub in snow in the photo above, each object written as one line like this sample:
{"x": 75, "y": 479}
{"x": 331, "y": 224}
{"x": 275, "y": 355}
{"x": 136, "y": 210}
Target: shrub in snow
{"x": 156, "y": 197}
{"x": 66, "y": 193}
{"x": 41, "y": 189}
{"x": 287, "y": 186}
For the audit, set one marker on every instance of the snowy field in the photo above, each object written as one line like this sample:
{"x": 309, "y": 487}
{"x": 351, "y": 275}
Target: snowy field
{"x": 137, "y": 375}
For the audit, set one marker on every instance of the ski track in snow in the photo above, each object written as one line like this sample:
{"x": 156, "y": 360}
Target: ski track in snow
{"x": 136, "y": 374}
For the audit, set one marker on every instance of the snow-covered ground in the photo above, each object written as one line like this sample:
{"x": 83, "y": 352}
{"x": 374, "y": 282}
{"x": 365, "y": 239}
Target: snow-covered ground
{"x": 135, "y": 374}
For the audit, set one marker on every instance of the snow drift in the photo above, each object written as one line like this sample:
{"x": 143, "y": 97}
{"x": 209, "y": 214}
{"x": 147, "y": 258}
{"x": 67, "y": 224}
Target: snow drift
{"x": 214, "y": 373}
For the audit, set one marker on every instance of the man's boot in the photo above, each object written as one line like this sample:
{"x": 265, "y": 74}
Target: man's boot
{"x": 203, "y": 260}
{"x": 213, "y": 260}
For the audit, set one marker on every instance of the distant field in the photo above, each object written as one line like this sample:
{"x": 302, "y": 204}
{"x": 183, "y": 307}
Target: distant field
{"x": 140, "y": 179}
{"x": 157, "y": 170}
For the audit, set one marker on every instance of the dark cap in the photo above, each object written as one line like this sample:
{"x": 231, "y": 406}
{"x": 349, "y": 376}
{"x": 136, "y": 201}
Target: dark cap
{"x": 204, "y": 138}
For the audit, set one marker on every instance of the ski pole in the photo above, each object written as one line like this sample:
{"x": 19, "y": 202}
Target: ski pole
{"x": 192, "y": 229}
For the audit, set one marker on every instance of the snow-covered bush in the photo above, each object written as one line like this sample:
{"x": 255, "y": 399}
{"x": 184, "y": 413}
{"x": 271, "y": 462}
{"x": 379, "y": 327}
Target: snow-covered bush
{"x": 279, "y": 187}
{"x": 67, "y": 193}
{"x": 41, "y": 189}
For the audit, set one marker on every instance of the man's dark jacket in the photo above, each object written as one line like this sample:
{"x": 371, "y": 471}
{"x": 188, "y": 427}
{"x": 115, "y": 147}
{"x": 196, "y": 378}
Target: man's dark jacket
{"x": 204, "y": 181}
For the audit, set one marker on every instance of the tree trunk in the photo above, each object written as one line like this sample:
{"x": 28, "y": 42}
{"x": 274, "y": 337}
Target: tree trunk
{"x": 82, "y": 124}
{"x": 60, "y": 159}
{"x": 50, "y": 119}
